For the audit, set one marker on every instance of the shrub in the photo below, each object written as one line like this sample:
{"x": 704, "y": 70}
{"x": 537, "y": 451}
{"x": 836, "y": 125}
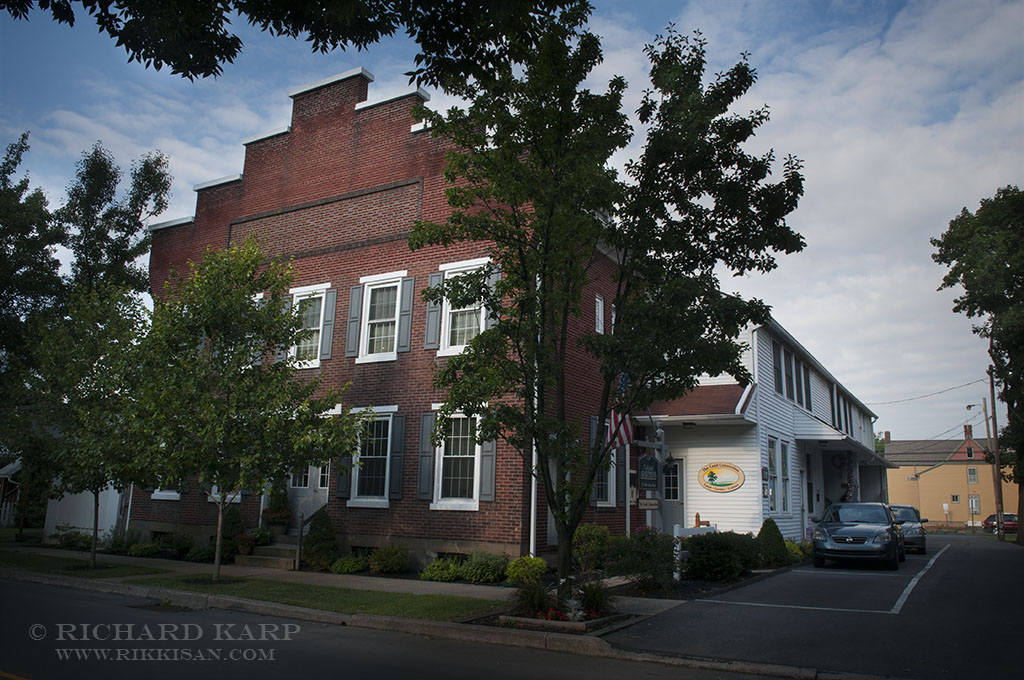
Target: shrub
{"x": 596, "y": 599}
{"x": 144, "y": 550}
{"x": 277, "y": 510}
{"x": 771, "y": 545}
{"x": 647, "y": 557}
{"x": 176, "y": 545}
{"x": 198, "y": 554}
{"x": 444, "y": 569}
{"x": 744, "y": 545}
{"x": 231, "y": 527}
{"x": 525, "y": 569}
{"x": 262, "y": 536}
{"x": 70, "y": 539}
{"x": 119, "y": 541}
{"x": 717, "y": 556}
{"x": 353, "y": 564}
{"x": 532, "y": 599}
{"x": 795, "y": 553}
{"x": 590, "y": 546}
{"x": 390, "y": 559}
{"x": 483, "y": 567}
{"x": 320, "y": 546}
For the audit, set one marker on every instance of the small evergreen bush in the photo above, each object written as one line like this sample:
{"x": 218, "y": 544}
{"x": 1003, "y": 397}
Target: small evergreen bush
{"x": 390, "y": 559}
{"x": 717, "y": 556}
{"x": 647, "y": 557}
{"x": 772, "y": 545}
{"x": 198, "y": 554}
{"x": 596, "y": 598}
{"x": 744, "y": 545}
{"x": 320, "y": 545}
{"x": 70, "y": 539}
{"x": 445, "y": 569}
{"x": 144, "y": 550}
{"x": 531, "y": 598}
{"x": 525, "y": 569}
{"x": 352, "y": 564}
{"x": 231, "y": 527}
{"x": 118, "y": 541}
{"x": 262, "y": 536}
{"x": 482, "y": 567}
{"x": 176, "y": 545}
{"x": 795, "y": 554}
{"x": 590, "y": 545}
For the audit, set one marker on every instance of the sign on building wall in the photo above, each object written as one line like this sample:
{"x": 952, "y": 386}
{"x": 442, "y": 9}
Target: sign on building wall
{"x": 720, "y": 477}
{"x": 647, "y": 473}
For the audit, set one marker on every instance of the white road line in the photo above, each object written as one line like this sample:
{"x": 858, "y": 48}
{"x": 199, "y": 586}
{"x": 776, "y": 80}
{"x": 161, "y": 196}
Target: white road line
{"x": 794, "y": 606}
{"x": 913, "y": 582}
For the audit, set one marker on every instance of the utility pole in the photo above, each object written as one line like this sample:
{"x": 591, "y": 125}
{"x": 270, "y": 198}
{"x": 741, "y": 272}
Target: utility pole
{"x": 995, "y": 444}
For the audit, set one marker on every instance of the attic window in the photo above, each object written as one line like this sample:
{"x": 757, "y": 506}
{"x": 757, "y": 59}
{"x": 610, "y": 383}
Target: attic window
{"x": 970, "y": 452}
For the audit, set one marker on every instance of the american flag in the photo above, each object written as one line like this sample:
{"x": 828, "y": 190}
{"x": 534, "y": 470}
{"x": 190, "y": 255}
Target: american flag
{"x": 620, "y": 427}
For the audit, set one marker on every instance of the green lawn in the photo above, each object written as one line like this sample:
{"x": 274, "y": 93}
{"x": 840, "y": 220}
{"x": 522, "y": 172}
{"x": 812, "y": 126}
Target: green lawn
{"x": 7, "y": 534}
{"x": 342, "y": 600}
{"x": 69, "y": 566}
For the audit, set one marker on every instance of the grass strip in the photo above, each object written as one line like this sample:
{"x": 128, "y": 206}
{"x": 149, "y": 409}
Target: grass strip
{"x": 329, "y": 598}
{"x": 69, "y": 566}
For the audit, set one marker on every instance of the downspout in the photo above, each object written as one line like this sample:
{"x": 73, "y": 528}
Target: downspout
{"x": 128, "y": 513}
{"x": 533, "y": 502}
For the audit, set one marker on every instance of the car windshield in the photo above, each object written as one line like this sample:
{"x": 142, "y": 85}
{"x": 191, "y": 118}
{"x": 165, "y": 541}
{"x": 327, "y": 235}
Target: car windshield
{"x": 906, "y": 514}
{"x": 857, "y": 514}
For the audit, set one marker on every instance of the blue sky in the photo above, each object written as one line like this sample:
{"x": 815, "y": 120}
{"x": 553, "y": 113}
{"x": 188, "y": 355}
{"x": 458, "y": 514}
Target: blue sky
{"x": 903, "y": 112}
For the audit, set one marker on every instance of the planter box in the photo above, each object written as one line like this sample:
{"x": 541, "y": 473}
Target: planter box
{"x": 578, "y": 627}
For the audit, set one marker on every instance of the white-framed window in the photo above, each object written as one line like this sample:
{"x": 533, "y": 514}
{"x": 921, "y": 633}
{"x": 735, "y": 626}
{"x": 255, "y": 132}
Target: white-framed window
{"x": 974, "y": 504}
{"x": 954, "y": 498}
{"x": 308, "y": 302}
{"x": 214, "y": 496}
{"x": 972, "y": 475}
{"x": 598, "y": 314}
{"x": 325, "y": 475}
{"x": 612, "y": 329}
{"x": 784, "y": 469}
{"x": 378, "y": 333}
{"x": 673, "y": 491}
{"x": 457, "y": 467}
{"x": 371, "y": 466}
{"x": 773, "y": 474}
{"x": 168, "y": 493}
{"x": 460, "y": 325}
{"x": 604, "y": 483}
{"x": 970, "y": 452}
{"x": 300, "y": 478}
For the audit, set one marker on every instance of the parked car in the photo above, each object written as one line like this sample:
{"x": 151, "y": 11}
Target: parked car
{"x": 1009, "y": 523}
{"x": 858, "y": 531}
{"x": 912, "y": 527}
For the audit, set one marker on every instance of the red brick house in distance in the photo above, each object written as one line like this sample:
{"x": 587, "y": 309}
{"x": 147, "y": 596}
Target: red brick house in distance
{"x": 338, "y": 192}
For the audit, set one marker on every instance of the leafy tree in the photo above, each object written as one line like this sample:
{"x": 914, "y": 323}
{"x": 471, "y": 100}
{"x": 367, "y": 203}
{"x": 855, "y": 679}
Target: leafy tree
{"x": 194, "y": 39}
{"x": 879, "y": 444}
{"x": 81, "y": 388}
{"x": 213, "y": 407}
{"x": 985, "y": 255}
{"x": 530, "y": 178}
{"x": 108, "y": 235}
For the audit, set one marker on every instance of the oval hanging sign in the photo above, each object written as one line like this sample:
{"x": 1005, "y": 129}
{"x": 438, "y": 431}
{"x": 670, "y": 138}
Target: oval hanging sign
{"x": 720, "y": 477}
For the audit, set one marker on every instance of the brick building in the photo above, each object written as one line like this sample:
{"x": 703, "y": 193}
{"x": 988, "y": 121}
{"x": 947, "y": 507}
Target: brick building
{"x": 338, "y": 192}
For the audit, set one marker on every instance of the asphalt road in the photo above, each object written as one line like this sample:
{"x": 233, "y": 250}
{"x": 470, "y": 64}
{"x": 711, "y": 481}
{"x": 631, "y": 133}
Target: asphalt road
{"x": 949, "y": 614}
{"x": 54, "y": 632}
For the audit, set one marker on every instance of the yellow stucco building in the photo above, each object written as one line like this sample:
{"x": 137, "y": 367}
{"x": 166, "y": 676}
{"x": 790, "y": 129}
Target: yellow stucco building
{"x": 948, "y": 481}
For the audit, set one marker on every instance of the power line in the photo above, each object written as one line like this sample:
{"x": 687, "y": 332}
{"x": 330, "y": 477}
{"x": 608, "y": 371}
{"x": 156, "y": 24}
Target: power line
{"x": 931, "y": 440}
{"x": 923, "y": 396}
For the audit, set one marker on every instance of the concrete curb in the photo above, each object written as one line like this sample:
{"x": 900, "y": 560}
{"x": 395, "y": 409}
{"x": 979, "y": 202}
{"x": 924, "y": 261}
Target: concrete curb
{"x": 583, "y": 645}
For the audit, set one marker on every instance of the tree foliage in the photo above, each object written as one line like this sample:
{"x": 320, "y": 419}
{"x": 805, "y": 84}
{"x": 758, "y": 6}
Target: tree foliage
{"x": 457, "y": 39}
{"x": 213, "y": 407}
{"x": 984, "y": 252}
{"x": 530, "y": 177}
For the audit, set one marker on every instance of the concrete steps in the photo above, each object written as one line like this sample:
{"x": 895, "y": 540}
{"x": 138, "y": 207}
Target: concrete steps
{"x": 279, "y": 555}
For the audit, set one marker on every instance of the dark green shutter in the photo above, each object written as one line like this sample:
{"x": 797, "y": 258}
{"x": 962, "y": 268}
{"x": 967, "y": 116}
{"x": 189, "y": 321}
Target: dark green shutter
{"x": 408, "y": 287}
{"x": 488, "y": 462}
{"x": 490, "y": 321}
{"x": 621, "y": 465}
{"x": 397, "y": 456}
{"x": 432, "y": 335}
{"x": 355, "y": 311}
{"x": 425, "y": 481}
{"x": 593, "y": 438}
{"x": 327, "y": 331}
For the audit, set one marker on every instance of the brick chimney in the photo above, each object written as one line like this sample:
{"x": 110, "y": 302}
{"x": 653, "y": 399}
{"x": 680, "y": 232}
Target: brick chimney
{"x": 887, "y": 436}
{"x": 968, "y": 433}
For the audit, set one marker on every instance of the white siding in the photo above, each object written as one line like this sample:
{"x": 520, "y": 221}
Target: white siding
{"x": 737, "y": 510}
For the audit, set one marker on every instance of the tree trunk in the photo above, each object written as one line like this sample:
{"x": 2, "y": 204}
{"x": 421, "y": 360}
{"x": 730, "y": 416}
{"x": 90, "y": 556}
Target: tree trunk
{"x": 95, "y": 527}
{"x": 564, "y": 550}
{"x": 220, "y": 540}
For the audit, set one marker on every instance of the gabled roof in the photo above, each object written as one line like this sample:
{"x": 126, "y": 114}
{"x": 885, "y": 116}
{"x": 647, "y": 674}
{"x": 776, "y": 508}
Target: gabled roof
{"x": 931, "y": 451}
{"x": 706, "y": 400}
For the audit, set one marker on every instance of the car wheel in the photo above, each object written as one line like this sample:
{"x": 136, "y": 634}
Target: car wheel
{"x": 894, "y": 562}
{"x": 818, "y": 561}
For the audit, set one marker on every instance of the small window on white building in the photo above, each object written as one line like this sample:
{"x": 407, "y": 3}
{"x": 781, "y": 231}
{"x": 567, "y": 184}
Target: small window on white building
{"x": 784, "y": 467}
{"x": 773, "y": 475}
{"x": 598, "y": 314}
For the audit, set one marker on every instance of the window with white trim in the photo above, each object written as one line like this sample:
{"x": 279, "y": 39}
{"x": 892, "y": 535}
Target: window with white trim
{"x": 598, "y": 314}
{"x": 972, "y": 475}
{"x": 379, "y": 331}
{"x": 308, "y": 302}
{"x": 784, "y": 468}
{"x": 954, "y": 498}
{"x": 671, "y": 478}
{"x": 970, "y": 452}
{"x": 773, "y": 475}
{"x": 370, "y": 465}
{"x": 325, "y": 475}
{"x": 166, "y": 493}
{"x": 460, "y": 325}
{"x": 974, "y": 504}
{"x": 457, "y": 467}
{"x": 604, "y": 483}
{"x": 300, "y": 478}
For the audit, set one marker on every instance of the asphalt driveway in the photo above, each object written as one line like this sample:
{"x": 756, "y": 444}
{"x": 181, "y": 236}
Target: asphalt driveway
{"x": 947, "y": 614}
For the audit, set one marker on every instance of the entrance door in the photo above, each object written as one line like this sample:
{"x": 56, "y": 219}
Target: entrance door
{"x": 672, "y": 508}
{"x": 307, "y": 491}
